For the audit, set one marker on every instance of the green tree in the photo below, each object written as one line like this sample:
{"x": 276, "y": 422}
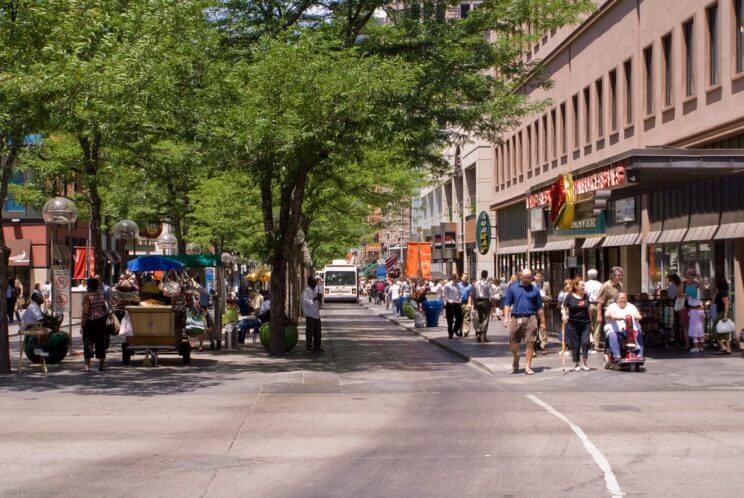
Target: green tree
{"x": 25, "y": 34}
{"x": 302, "y": 99}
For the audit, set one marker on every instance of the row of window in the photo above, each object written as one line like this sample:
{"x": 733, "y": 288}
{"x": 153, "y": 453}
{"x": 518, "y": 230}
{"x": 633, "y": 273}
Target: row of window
{"x": 541, "y": 144}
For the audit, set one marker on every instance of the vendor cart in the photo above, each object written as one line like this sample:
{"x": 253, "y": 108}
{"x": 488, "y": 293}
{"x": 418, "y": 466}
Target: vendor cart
{"x": 154, "y": 332}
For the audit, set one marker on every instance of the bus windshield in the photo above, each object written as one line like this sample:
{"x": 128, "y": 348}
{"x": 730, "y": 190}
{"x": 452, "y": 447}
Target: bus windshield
{"x": 347, "y": 278}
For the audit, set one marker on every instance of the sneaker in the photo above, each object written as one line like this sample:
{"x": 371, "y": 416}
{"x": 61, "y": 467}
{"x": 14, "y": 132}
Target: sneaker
{"x": 577, "y": 368}
{"x": 585, "y": 368}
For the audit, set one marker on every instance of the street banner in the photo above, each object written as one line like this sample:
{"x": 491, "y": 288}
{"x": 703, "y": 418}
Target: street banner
{"x": 61, "y": 283}
{"x": 79, "y": 270}
{"x": 418, "y": 260}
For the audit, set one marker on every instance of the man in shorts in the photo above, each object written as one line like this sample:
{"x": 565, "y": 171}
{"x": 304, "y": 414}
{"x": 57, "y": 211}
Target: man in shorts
{"x": 523, "y": 306}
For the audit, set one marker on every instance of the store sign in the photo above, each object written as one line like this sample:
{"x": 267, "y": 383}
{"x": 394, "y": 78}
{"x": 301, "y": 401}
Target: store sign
{"x": 449, "y": 240}
{"x": 625, "y": 210}
{"x": 572, "y": 262}
{"x": 562, "y": 200}
{"x": 586, "y": 226}
{"x": 537, "y": 219}
{"x": 606, "y": 178}
{"x": 483, "y": 232}
{"x": 62, "y": 285}
{"x": 438, "y": 240}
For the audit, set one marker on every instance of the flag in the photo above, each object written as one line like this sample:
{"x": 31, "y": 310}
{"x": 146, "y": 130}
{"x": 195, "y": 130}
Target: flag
{"x": 79, "y": 272}
{"x": 418, "y": 259}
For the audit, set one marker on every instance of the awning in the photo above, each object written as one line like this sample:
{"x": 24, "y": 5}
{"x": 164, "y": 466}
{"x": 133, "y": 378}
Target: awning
{"x": 730, "y": 231}
{"x": 20, "y": 252}
{"x": 591, "y": 242}
{"x": 512, "y": 250}
{"x": 672, "y": 236}
{"x": 626, "y": 239}
{"x": 555, "y": 245}
{"x": 701, "y": 233}
{"x": 652, "y": 237}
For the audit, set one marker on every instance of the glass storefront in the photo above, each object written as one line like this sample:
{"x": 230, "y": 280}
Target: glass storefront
{"x": 511, "y": 264}
{"x": 665, "y": 259}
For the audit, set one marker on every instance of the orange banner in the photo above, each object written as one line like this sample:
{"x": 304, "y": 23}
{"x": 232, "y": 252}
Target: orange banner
{"x": 418, "y": 260}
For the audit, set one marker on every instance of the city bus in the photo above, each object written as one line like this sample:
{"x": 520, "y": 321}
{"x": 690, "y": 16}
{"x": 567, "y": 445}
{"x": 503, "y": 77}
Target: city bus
{"x": 340, "y": 282}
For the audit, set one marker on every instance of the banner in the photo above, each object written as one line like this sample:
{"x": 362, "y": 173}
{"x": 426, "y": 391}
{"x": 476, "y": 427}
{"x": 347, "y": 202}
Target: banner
{"x": 418, "y": 259}
{"x": 79, "y": 272}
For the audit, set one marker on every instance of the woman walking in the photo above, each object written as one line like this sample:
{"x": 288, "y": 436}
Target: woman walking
{"x": 575, "y": 314}
{"x": 93, "y": 323}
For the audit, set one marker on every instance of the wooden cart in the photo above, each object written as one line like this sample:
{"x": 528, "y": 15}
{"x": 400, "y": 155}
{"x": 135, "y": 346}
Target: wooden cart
{"x": 154, "y": 332}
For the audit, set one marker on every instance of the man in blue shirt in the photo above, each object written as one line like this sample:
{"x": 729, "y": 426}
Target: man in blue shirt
{"x": 522, "y": 307}
{"x": 466, "y": 289}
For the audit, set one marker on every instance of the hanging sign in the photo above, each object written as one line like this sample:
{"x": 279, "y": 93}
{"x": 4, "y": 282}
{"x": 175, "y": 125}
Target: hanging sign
{"x": 151, "y": 230}
{"x": 483, "y": 232}
{"x": 613, "y": 176}
{"x": 562, "y": 201}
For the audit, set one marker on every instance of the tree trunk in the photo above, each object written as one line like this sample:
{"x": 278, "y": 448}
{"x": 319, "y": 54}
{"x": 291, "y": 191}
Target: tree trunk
{"x": 7, "y": 168}
{"x": 278, "y": 297}
{"x": 92, "y": 163}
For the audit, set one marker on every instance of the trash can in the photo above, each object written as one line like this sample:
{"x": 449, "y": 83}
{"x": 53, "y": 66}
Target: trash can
{"x": 432, "y": 310}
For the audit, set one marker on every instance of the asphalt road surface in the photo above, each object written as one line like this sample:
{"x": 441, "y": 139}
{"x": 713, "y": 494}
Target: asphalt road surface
{"x": 381, "y": 414}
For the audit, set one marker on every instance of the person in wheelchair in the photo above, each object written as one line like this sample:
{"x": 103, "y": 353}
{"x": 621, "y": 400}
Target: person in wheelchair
{"x": 615, "y": 325}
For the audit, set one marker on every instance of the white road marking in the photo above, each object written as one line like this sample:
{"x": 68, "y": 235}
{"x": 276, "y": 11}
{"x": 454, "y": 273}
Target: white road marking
{"x": 613, "y": 487}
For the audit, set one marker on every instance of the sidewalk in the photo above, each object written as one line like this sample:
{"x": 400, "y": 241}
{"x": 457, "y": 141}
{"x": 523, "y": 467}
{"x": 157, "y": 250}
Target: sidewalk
{"x": 493, "y": 356}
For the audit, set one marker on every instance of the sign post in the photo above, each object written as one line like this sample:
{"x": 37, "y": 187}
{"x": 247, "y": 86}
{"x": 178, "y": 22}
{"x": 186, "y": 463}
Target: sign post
{"x": 61, "y": 290}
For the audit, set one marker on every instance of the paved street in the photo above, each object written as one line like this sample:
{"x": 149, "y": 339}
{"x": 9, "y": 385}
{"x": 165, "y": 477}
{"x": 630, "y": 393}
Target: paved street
{"x": 382, "y": 413}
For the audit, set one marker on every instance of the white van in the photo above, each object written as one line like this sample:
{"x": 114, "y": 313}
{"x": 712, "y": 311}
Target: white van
{"x": 340, "y": 282}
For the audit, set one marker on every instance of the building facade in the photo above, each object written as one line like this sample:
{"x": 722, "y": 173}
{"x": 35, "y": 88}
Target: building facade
{"x": 644, "y": 118}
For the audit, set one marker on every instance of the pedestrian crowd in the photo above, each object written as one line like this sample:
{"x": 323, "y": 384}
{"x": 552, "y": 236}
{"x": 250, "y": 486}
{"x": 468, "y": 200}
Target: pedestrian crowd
{"x": 592, "y": 313}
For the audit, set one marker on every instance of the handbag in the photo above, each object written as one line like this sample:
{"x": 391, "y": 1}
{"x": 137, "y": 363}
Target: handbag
{"x": 725, "y": 326}
{"x": 170, "y": 288}
{"x": 679, "y": 303}
{"x": 111, "y": 325}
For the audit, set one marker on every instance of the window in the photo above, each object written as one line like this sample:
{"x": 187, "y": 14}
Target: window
{"x": 11, "y": 205}
{"x": 648, "y": 64}
{"x": 600, "y": 108}
{"x": 554, "y": 139}
{"x": 515, "y": 158}
{"x": 576, "y": 134}
{"x": 587, "y": 115}
{"x": 464, "y": 10}
{"x": 689, "y": 36}
{"x": 739, "y": 12}
{"x": 563, "y": 128}
{"x": 666, "y": 47}
{"x": 613, "y": 100}
{"x": 628, "y": 72}
{"x": 711, "y": 17}
{"x": 518, "y": 149}
{"x": 537, "y": 142}
{"x": 528, "y": 147}
{"x": 545, "y": 138}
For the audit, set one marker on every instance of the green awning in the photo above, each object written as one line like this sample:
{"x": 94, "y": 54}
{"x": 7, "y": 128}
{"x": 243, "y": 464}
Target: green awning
{"x": 197, "y": 260}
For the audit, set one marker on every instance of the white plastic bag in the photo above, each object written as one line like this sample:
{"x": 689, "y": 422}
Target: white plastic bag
{"x": 419, "y": 320}
{"x": 679, "y": 304}
{"x": 125, "y": 329}
{"x": 725, "y": 326}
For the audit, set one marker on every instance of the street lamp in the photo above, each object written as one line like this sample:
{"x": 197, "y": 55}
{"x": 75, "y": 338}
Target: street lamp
{"x": 168, "y": 242}
{"x": 193, "y": 248}
{"x": 127, "y": 230}
{"x": 61, "y": 211}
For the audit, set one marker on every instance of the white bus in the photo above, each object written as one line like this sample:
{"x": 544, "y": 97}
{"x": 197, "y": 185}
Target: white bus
{"x": 340, "y": 282}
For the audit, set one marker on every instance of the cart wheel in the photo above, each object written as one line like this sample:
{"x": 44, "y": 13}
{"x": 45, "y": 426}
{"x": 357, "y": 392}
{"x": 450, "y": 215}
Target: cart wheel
{"x": 186, "y": 353}
{"x": 126, "y": 355}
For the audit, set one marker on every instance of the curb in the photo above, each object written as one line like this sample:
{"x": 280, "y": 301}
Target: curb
{"x": 436, "y": 342}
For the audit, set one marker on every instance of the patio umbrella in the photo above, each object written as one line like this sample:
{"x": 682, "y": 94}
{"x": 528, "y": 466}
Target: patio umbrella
{"x": 154, "y": 263}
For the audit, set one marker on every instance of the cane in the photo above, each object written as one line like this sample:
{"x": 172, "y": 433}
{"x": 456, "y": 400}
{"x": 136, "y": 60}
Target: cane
{"x": 563, "y": 346}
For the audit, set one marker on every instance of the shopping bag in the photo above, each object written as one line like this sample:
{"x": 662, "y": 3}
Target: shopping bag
{"x": 419, "y": 320}
{"x": 125, "y": 329}
{"x": 474, "y": 316}
{"x": 679, "y": 304}
{"x": 725, "y": 326}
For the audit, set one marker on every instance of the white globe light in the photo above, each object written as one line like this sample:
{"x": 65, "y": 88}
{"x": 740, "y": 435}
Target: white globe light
{"x": 126, "y": 230}
{"x": 59, "y": 210}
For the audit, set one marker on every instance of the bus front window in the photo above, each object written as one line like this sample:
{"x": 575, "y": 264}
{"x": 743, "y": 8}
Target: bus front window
{"x": 345, "y": 278}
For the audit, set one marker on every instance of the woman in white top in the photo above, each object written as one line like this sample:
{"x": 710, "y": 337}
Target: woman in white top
{"x": 615, "y": 318}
